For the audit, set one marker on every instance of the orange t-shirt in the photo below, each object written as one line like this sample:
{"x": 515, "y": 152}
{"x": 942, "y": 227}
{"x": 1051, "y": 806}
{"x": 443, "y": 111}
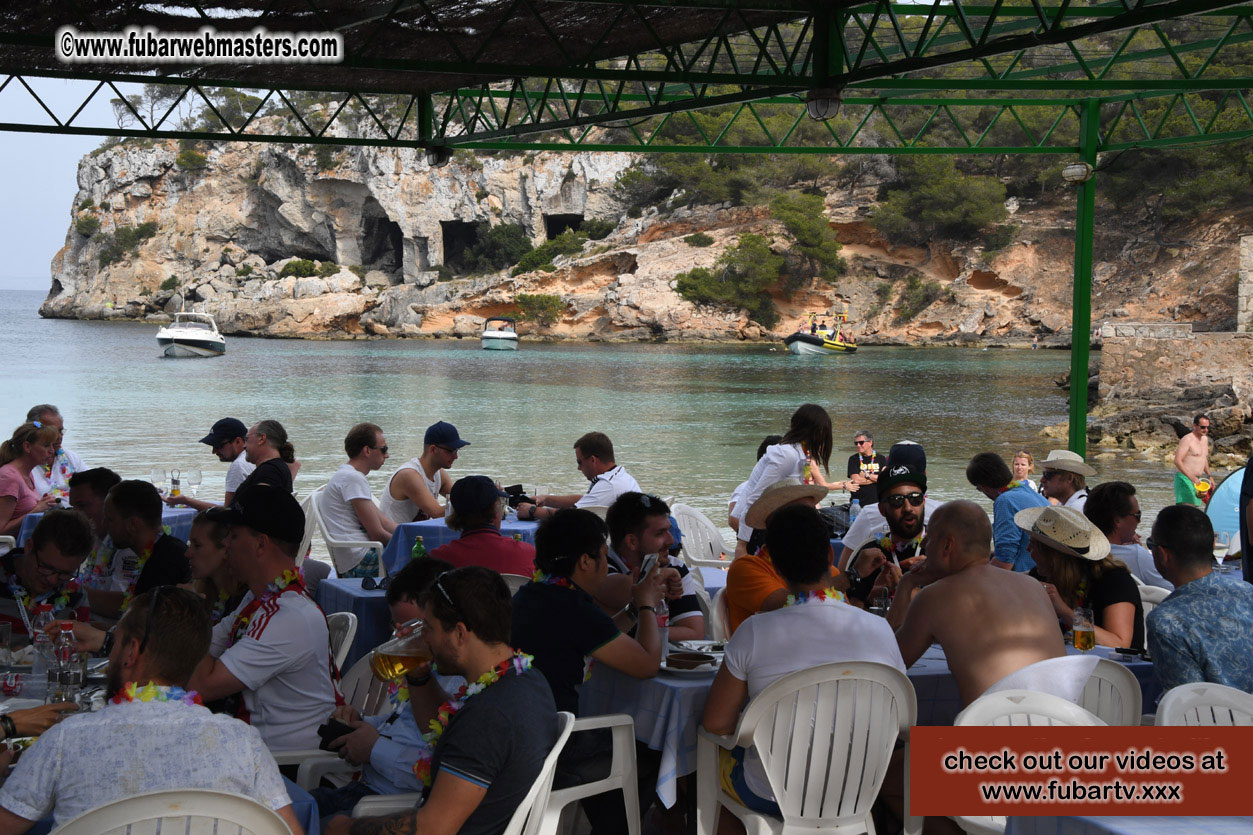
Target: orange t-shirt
{"x": 750, "y": 580}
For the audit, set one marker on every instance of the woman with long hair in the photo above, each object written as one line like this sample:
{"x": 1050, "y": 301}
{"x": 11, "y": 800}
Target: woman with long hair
{"x": 804, "y": 449}
{"x": 1073, "y": 562}
{"x": 32, "y": 445}
{"x": 212, "y": 577}
{"x": 267, "y": 447}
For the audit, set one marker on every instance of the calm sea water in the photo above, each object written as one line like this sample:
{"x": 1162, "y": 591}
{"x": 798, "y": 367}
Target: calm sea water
{"x": 685, "y": 420}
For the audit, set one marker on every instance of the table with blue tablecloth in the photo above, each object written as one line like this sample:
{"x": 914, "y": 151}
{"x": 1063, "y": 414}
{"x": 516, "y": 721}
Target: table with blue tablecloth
{"x": 667, "y": 709}
{"x": 435, "y": 533}
{"x": 374, "y": 625}
{"x": 1128, "y": 825}
{"x": 177, "y": 519}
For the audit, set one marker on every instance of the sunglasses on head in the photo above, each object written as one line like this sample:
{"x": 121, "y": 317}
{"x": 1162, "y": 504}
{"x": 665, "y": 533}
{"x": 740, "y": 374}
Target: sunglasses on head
{"x": 439, "y": 586}
{"x": 897, "y": 500}
{"x": 152, "y": 611}
{"x": 646, "y": 500}
{"x": 371, "y": 583}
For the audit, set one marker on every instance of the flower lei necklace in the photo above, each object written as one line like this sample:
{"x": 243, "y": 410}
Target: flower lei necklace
{"x": 885, "y": 542}
{"x": 289, "y": 580}
{"x": 62, "y": 462}
{"x": 144, "y": 555}
{"x": 63, "y": 600}
{"x": 152, "y": 692}
{"x": 97, "y": 563}
{"x": 815, "y": 597}
{"x": 518, "y": 663}
{"x": 218, "y": 610}
{"x": 547, "y": 580}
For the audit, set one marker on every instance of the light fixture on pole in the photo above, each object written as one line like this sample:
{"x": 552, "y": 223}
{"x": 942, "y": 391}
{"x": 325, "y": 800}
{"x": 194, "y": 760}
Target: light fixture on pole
{"x": 437, "y": 156}
{"x": 1078, "y": 172}
{"x": 823, "y": 103}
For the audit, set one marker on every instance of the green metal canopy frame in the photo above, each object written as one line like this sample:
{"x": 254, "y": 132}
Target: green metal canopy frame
{"x": 684, "y": 76}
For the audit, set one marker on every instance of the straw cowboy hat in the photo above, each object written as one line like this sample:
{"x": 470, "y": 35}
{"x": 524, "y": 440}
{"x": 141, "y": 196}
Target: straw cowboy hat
{"x": 782, "y": 492}
{"x": 1064, "y": 459}
{"x": 1064, "y": 529}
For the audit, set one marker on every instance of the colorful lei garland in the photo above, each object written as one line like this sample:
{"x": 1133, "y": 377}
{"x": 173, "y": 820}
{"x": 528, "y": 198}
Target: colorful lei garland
{"x": 517, "y": 663}
{"x": 547, "y": 580}
{"x": 144, "y": 555}
{"x": 101, "y": 558}
{"x": 815, "y": 597}
{"x": 289, "y": 580}
{"x": 153, "y": 692}
{"x": 69, "y": 591}
{"x": 889, "y": 547}
{"x": 218, "y": 610}
{"x": 64, "y": 469}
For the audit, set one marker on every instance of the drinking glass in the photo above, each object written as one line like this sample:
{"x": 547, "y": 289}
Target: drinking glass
{"x": 405, "y": 651}
{"x": 1084, "y": 629}
{"x": 880, "y": 601}
{"x": 1222, "y": 543}
{"x": 194, "y": 479}
{"x": 6, "y": 635}
{"x": 157, "y": 477}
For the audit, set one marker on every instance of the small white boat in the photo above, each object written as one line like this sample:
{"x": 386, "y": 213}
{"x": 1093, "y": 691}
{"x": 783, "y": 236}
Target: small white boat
{"x": 191, "y": 335}
{"x": 499, "y": 334}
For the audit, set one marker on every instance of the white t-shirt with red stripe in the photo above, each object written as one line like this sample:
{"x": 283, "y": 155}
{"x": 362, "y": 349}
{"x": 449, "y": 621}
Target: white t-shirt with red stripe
{"x": 284, "y": 663}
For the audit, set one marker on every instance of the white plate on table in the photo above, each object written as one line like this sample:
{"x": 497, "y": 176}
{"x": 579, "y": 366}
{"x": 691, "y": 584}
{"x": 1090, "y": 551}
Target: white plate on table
{"x": 710, "y": 647}
{"x": 702, "y": 670}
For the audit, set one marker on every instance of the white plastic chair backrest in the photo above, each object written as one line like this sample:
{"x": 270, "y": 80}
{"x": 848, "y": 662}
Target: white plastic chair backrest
{"x": 342, "y": 628}
{"x": 530, "y": 812}
{"x": 701, "y": 539}
{"x": 1113, "y": 694}
{"x": 599, "y": 509}
{"x": 1202, "y": 703}
{"x": 1064, "y": 677}
{"x": 825, "y": 736}
{"x": 315, "y": 499}
{"x": 7, "y": 544}
{"x": 362, "y": 690}
{"x": 719, "y": 617}
{"x": 1024, "y": 707}
{"x": 514, "y": 582}
{"x": 1150, "y": 597}
{"x": 706, "y": 609}
{"x": 306, "y": 542}
{"x": 180, "y": 810}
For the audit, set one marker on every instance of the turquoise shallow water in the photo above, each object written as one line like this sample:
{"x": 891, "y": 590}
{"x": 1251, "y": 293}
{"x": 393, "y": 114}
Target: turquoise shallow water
{"x": 685, "y": 420}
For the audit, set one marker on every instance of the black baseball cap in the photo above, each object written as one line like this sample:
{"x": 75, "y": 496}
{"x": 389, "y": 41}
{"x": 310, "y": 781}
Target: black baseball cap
{"x": 226, "y": 429}
{"x": 443, "y": 434}
{"x": 907, "y": 463}
{"x": 474, "y": 493}
{"x": 266, "y": 509}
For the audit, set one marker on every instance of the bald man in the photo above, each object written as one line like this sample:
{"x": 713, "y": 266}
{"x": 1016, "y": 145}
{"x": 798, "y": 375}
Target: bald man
{"x": 990, "y": 622}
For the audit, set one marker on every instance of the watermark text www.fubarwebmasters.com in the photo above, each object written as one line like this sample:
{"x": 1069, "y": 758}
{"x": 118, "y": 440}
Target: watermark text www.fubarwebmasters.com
{"x": 149, "y": 45}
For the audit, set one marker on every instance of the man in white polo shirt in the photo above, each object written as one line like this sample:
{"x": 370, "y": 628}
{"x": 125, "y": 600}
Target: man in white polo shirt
{"x": 274, "y": 648}
{"x": 593, "y": 455}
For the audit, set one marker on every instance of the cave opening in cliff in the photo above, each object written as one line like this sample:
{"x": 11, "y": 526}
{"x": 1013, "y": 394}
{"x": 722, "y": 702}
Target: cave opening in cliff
{"x": 458, "y": 237}
{"x": 554, "y": 225}
{"x": 381, "y": 241}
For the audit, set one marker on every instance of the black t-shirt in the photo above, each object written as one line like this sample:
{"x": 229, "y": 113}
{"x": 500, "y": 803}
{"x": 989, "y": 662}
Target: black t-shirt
{"x": 867, "y": 494}
{"x": 560, "y": 627}
{"x": 167, "y": 566}
{"x": 1115, "y": 586}
{"x": 274, "y": 472}
{"x": 499, "y": 741}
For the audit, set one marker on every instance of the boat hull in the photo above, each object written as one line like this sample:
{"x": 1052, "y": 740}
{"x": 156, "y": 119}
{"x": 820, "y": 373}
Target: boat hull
{"x": 499, "y": 342}
{"x": 814, "y": 345}
{"x": 180, "y": 348}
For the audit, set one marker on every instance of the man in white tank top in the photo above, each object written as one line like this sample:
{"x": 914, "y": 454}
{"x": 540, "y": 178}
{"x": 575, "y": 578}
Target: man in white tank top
{"x": 413, "y": 491}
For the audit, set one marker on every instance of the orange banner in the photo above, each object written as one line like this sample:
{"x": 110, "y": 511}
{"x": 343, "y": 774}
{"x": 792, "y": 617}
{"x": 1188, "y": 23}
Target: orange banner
{"x": 1080, "y": 771}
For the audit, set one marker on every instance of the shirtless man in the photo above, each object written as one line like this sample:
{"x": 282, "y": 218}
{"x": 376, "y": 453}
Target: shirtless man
{"x": 414, "y": 490}
{"x": 990, "y": 622}
{"x": 1192, "y": 462}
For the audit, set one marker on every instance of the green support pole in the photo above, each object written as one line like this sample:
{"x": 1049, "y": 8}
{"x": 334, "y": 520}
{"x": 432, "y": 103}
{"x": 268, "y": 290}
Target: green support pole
{"x": 1081, "y": 314}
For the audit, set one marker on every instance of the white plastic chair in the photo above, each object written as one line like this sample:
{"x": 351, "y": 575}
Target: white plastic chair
{"x": 364, "y": 692}
{"x": 1113, "y": 694}
{"x": 342, "y": 628}
{"x": 825, "y": 737}
{"x": 621, "y": 775}
{"x": 181, "y": 810}
{"x": 333, "y": 545}
{"x": 1150, "y": 597}
{"x": 514, "y": 582}
{"x": 311, "y": 524}
{"x": 702, "y": 543}
{"x": 1204, "y": 704}
{"x": 1016, "y": 707}
{"x": 599, "y": 509}
{"x": 7, "y": 544}
{"x": 530, "y": 816}
{"x": 719, "y": 618}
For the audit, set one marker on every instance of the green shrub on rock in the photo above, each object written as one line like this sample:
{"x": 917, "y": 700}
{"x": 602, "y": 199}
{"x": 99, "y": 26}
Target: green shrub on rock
{"x": 300, "y": 267}
{"x": 327, "y": 269}
{"x": 542, "y": 309}
{"x": 698, "y": 239}
{"x": 87, "y": 225}
{"x": 741, "y": 277}
{"x": 170, "y": 283}
{"x": 597, "y": 229}
{"x": 246, "y": 269}
{"x": 567, "y": 243}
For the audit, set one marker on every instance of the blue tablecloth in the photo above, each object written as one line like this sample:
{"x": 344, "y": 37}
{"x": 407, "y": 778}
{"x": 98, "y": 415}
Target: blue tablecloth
{"x": 1106, "y": 825}
{"x": 373, "y": 621}
{"x": 667, "y": 709}
{"x": 177, "y": 519}
{"x": 435, "y": 533}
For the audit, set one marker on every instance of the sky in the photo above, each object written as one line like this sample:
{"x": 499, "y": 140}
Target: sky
{"x": 38, "y": 176}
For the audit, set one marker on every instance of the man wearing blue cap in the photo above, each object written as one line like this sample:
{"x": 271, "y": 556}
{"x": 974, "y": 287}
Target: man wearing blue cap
{"x": 476, "y": 509}
{"x": 413, "y": 491}
{"x": 226, "y": 440}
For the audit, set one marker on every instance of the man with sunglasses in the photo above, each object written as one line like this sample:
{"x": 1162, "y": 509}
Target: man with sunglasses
{"x": 152, "y": 736}
{"x": 227, "y": 441}
{"x": 594, "y": 457}
{"x": 991, "y": 476}
{"x": 43, "y": 571}
{"x": 870, "y": 524}
{"x": 1115, "y": 510}
{"x": 1192, "y": 462}
{"x": 347, "y": 503}
{"x": 880, "y": 562}
{"x": 864, "y": 467}
{"x": 413, "y": 492}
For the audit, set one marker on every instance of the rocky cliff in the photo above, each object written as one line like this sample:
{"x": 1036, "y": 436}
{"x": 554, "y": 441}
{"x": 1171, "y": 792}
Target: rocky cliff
{"x": 216, "y": 231}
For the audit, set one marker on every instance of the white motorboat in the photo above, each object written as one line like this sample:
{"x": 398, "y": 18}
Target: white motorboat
{"x": 191, "y": 335}
{"x": 499, "y": 334}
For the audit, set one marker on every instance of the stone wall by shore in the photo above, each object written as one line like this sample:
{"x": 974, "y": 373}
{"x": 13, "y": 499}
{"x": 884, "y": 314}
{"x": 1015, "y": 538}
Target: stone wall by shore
{"x": 1140, "y": 359}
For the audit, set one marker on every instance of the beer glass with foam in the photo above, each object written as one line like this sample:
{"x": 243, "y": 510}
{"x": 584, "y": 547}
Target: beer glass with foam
{"x": 405, "y": 651}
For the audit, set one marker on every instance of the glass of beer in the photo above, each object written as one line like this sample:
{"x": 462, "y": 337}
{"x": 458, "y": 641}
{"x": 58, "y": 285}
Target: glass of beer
{"x": 402, "y": 654}
{"x": 1084, "y": 629}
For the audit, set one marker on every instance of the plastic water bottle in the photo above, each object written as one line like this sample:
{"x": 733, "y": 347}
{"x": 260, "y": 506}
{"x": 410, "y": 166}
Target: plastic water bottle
{"x": 854, "y": 508}
{"x": 419, "y": 550}
{"x": 663, "y": 626}
{"x": 42, "y": 641}
{"x": 67, "y": 677}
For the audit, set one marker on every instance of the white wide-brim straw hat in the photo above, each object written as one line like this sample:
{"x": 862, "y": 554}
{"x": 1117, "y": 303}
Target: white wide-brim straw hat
{"x": 782, "y": 492}
{"x": 1064, "y": 529}
{"x": 1064, "y": 459}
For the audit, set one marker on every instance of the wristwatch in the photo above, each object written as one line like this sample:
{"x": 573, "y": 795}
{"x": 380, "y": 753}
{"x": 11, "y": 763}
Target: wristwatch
{"x": 851, "y": 570}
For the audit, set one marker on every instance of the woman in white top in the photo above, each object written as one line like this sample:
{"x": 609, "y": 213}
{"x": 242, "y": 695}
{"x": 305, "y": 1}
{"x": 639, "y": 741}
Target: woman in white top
{"x": 1024, "y": 466}
{"x": 808, "y": 439}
